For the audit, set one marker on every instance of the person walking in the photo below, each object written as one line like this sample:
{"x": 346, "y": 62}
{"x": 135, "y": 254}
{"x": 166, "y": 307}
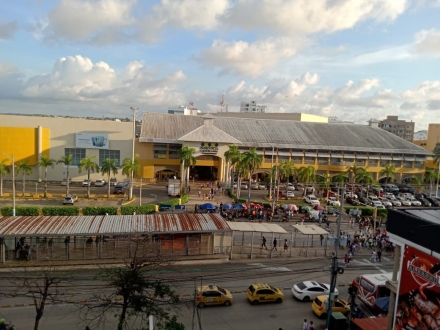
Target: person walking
{"x": 264, "y": 243}
{"x": 321, "y": 238}
{"x": 199, "y": 192}
{"x": 311, "y": 326}
{"x": 379, "y": 255}
{"x": 305, "y": 325}
{"x": 275, "y": 244}
{"x": 285, "y": 245}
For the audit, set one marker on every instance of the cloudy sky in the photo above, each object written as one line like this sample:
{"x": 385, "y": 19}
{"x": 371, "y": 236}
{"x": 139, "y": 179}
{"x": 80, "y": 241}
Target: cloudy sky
{"x": 354, "y": 59}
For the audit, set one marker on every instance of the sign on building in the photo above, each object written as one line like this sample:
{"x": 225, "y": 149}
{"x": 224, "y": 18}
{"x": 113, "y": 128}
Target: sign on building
{"x": 91, "y": 140}
{"x": 208, "y": 148}
{"x": 418, "y": 304}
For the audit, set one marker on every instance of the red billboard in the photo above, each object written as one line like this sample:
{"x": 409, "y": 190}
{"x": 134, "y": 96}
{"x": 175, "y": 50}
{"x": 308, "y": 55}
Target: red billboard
{"x": 418, "y": 304}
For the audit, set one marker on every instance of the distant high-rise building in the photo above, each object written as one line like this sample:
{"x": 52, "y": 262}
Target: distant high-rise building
{"x": 252, "y": 107}
{"x": 402, "y": 128}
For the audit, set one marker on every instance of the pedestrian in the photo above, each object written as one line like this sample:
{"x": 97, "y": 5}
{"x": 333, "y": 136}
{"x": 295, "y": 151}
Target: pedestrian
{"x": 200, "y": 193}
{"x": 311, "y": 326}
{"x": 285, "y": 245}
{"x": 275, "y": 244}
{"x": 305, "y": 325}
{"x": 321, "y": 238}
{"x": 264, "y": 243}
{"x": 134, "y": 212}
{"x": 373, "y": 256}
{"x": 346, "y": 260}
{"x": 379, "y": 255}
{"x": 189, "y": 189}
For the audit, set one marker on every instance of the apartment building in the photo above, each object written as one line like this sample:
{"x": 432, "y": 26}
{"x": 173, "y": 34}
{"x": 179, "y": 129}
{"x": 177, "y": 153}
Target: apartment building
{"x": 402, "y": 128}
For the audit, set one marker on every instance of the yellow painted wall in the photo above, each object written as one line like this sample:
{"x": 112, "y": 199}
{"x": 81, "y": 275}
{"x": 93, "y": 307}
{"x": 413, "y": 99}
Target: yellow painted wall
{"x": 20, "y": 141}
{"x": 433, "y": 136}
{"x": 313, "y": 118}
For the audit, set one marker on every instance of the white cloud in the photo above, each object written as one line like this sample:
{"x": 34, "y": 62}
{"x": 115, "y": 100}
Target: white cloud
{"x": 427, "y": 42}
{"x": 84, "y": 20}
{"x": 251, "y": 59}
{"x": 7, "y": 68}
{"x": 7, "y": 30}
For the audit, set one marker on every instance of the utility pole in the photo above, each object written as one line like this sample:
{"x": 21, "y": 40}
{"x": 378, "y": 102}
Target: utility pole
{"x": 271, "y": 174}
{"x": 335, "y": 267}
{"x": 132, "y": 153}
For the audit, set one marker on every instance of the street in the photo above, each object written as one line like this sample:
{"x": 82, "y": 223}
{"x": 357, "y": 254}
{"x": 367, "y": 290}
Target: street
{"x": 235, "y": 276}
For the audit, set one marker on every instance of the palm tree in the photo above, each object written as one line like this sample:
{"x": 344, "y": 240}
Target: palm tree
{"x": 340, "y": 178}
{"x": 389, "y": 172}
{"x": 67, "y": 160}
{"x": 352, "y": 172}
{"x": 251, "y": 161}
{"x": 241, "y": 172}
{"x": 325, "y": 180}
{"x": 307, "y": 175}
{"x": 288, "y": 169}
{"x": 130, "y": 168}
{"x": 436, "y": 152}
{"x": 232, "y": 156}
{"x": 24, "y": 169}
{"x": 186, "y": 157}
{"x": 4, "y": 169}
{"x": 415, "y": 180}
{"x": 108, "y": 167}
{"x": 88, "y": 164}
{"x": 45, "y": 162}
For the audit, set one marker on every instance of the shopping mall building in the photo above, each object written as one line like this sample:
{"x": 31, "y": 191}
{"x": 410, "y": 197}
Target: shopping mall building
{"x": 329, "y": 148}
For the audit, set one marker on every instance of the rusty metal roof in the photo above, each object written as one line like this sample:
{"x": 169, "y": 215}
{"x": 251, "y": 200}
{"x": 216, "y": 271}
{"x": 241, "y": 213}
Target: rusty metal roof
{"x": 111, "y": 224}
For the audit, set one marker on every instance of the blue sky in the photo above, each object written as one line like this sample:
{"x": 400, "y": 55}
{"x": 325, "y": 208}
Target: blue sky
{"x": 356, "y": 60}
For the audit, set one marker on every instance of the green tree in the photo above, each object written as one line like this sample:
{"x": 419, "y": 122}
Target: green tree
{"x": 288, "y": 169}
{"x": 324, "y": 180}
{"x": 251, "y": 161}
{"x": 187, "y": 158}
{"x": 108, "y": 167}
{"x": 436, "y": 152}
{"x": 46, "y": 162}
{"x": 4, "y": 169}
{"x": 431, "y": 175}
{"x": 135, "y": 290}
{"x": 232, "y": 156}
{"x": 340, "y": 178}
{"x": 240, "y": 170}
{"x": 364, "y": 176}
{"x": 307, "y": 175}
{"x": 24, "y": 169}
{"x": 130, "y": 168}
{"x": 67, "y": 160}
{"x": 389, "y": 172}
{"x": 415, "y": 180}
{"x": 88, "y": 164}
{"x": 352, "y": 172}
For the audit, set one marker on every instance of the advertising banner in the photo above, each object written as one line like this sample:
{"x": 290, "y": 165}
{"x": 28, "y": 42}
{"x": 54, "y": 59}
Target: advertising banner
{"x": 418, "y": 304}
{"x": 91, "y": 140}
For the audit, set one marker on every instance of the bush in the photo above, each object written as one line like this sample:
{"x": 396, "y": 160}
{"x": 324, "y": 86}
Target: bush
{"x": 173, "y": 202}
{"x": 60, "y": 210}
{"x": 184, "y": 199}
{"x": 100, "y": 210}
{"x": 367, "y": 211}
{"x": 143, "y": 209}
{"x": 20, "y": 211}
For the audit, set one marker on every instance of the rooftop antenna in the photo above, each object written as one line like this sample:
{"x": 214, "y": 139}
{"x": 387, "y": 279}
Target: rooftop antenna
{"x": 191, "y": 105}
{"x": 222, "y": 102}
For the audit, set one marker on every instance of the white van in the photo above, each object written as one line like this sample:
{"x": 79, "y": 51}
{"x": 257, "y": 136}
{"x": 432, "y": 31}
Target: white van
{"x": 391, "y": 188}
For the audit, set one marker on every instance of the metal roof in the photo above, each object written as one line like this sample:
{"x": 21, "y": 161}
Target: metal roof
{"x": 254, "y": 132}
{"x": 111, "y": 224}
{"x": 257, "y": 227}
{"x": 310, "y": 229}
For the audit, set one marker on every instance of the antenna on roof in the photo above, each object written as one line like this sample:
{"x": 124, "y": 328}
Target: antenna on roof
{"x": 222, "y": 102}
{"x": 191, "y": 105}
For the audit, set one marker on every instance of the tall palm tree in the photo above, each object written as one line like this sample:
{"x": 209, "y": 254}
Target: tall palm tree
{"x": 4, "y": 169}
{"x": 187, "y": 158}
{"x": 128, "y": 168}
{"x": 251, "y": 161}
{"x": 241, "y": 172}
{"x": 389, "y": 172}
{"x": 45, "y": 162}
{"x": 232, "y": 156}
{"x": 325, "y": 181}
{"x": 67, "y": 160}
{"x": 307, "y": 175}
{"x": 352, "y": 172}
{"x": 88, "y": 164}
{"x": 288, "y": 169}
{"x": 340, "y": 178}
{"x": 24, "y": 169}
{"x": 108, "y": 167}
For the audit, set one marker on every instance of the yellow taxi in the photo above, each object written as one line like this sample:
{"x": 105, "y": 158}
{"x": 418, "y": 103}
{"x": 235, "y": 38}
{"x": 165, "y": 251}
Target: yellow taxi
{"x": 339, "y": 305}
{"x": 263, "y": 292}
{"x": 208, "y": 295}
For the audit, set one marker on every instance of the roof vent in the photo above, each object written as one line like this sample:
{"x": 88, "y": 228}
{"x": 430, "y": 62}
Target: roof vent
{"x": 373, "y": 123}
{"x": 208, "y": 120}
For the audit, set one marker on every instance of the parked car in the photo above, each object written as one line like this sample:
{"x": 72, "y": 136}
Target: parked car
{"x": 385, "y": 202}
{"x": 263, "y": 292}
{"x": 365, "y": 201}
{"x": 118, "y": 189}
{"x": 339, "y": 305}
{"x": 350, "y": 194}
{"x": 404, "y": 201}
{"x": 352, "y": 201}
{"x": 434, "y": 202}
{"x": 262, "y": 187}
{"x": 208, "y": 295}
{"x": 86, "y": 183}
{"x": 290, "y": 187}
{"x": 395, "y": 201}
{"x": 299, "y": 187}
{"x": 255, "y": 186}
{"x": 244, "y": 186}
{"x": 70, "y": 200}
{"x": 309, "y": 290}
{"x": 389, "y": 195}
{"x": 113, "y": 182}
{"x": 311, "y": 199}
{"x": 100, "y": 183}
{"x": 64, "y": 182}
{"x": 424, "y": 201}
{"x": 414, "y": 202}
{"x": 290, "y": 194}
{"x": 376, "y": 203}
{"x": 333, "y": 201}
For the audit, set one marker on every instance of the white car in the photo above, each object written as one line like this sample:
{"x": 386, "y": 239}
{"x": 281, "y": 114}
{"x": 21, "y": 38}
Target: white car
{"x": 395, "y": 202}
{"x": 309, "y": 290}
{"x": 389, "y": 195}
{"x": 100, "y": 183}
{"x": 64, "y": 182}
{"x": 113, "y": 182}
{"x": 70, "y": 200}
{"x": 290, "y": 194}
{"x": 290, "y": 187}
{"x": 311, "y": 199}
{"x": 244, "y": 186}
{"x": 415, "y": 202}
{"x": 333, "y": 201}
{"x": 350, "y": 194}
{"x": 255, "y": 186}
{"x": 385, "y": 202}
{"x": 86, "y": 183}
{"x": 262, "y": 187}
{"x": 406, "y": 195}
{"x": 404, "y": 201}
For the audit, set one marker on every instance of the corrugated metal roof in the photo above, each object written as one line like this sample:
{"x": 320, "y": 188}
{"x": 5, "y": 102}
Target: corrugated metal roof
{"x": 112, "y": 224}
{"x": 257, "y": 227}
{"x": 281, "y": 133}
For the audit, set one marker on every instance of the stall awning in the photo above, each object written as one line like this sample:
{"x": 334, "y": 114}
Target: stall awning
{"x": 257, "y": 227}
{"x": 310, "y": 229}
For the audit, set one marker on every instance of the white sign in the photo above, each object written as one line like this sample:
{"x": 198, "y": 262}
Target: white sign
{"x": 92, "y": 140}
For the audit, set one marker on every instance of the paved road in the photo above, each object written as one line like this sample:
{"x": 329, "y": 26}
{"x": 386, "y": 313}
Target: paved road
{"x": 235, "y": 276}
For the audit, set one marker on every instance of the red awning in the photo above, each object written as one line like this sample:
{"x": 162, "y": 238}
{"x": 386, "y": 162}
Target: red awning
{"x": 371, "y": 323}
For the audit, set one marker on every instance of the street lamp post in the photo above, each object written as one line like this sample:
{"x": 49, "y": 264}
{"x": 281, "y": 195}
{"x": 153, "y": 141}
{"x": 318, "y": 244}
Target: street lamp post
{"x": 13, "y": 182}
{"x": 132, "y": 154}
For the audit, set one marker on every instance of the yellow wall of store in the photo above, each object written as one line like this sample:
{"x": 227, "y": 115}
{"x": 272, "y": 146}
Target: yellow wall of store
{"x": 23, "y": 143}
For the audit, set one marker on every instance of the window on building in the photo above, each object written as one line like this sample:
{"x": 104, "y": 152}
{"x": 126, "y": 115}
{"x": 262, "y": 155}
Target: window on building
{"x": 160, "y": 150}
{"x": 77, "y": 154}
{"x": 112, "y": 154}
{"x": 173, "y": 151}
